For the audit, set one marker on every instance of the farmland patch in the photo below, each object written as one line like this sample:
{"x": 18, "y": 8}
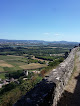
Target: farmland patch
{"x": 32, "y": 66}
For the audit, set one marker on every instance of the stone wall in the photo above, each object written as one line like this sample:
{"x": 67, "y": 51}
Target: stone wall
{"x": 64, "y": 71}
{"x": 49, "y": 90}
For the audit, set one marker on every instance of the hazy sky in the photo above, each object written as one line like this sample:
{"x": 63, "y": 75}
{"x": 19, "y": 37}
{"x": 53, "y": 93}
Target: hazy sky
{"x": 50, "y": 20}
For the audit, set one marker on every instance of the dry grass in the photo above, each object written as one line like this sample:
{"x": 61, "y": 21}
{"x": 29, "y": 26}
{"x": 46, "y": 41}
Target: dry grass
{"x": 32, "y": 66}
{"x": 2, "y": 61}
{"x": 14, "y": 56}
{"x": 4, "y": 64}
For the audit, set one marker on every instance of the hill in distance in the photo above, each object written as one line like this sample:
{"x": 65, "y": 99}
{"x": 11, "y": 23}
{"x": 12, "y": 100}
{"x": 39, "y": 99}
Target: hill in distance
{"x": 37, "y": 41}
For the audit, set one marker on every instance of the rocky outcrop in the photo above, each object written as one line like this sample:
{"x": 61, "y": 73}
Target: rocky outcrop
{"x": 49, "y": 90}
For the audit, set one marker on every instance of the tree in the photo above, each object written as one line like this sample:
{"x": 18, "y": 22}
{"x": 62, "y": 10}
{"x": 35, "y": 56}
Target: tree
{"x": 66, "y": 54}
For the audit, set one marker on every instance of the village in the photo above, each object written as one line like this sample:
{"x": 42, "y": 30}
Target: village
{"x": 9, "y": 80}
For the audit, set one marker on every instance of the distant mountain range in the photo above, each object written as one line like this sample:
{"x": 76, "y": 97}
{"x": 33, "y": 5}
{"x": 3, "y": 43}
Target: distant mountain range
{"x": 36, "y": 41}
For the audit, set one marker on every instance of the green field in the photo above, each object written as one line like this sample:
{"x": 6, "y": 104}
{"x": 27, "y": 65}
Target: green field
{"x": 2, "y": 75}
{"x": 15, "y": 63}
{"x": 13, "y": 59}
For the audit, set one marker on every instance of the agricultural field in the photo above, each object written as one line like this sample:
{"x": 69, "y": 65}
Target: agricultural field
{"x": 15, "y": 63}
{"x": 21, "y": 68}
{"x": 14, "y": 58}
{"x": 32, "y": 66}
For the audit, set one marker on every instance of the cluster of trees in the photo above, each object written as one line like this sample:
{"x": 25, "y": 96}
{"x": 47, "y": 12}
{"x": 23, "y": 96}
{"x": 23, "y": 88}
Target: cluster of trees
{"x": 14, "y": 74}
{"x": 49, "y": 58}
{"x": 30, "y": 60}
{"x": 10, "y": 93}
{"x": 36, "y": 61}
{"x": 56, "y": 62}
{"x": 36, "y": 51}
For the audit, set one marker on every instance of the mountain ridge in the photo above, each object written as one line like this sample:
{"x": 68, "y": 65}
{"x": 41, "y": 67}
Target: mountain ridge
{"x": 39, "y": 41}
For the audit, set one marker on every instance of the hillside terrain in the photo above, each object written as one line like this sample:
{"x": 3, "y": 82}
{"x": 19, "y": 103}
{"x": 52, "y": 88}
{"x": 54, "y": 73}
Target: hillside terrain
{"x": 23, "y": 65}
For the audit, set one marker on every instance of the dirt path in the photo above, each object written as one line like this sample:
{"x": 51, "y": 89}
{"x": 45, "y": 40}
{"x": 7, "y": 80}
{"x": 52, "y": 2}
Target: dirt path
{"x": 71, "y": 96}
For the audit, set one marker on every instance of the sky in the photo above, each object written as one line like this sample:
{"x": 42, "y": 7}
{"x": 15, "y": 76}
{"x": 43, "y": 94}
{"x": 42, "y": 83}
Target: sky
{"x": 49, "y": 20}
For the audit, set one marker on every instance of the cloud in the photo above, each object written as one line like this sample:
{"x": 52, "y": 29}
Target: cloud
{"x": 57, "y": 34}
{"x": 46, "y": 33}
